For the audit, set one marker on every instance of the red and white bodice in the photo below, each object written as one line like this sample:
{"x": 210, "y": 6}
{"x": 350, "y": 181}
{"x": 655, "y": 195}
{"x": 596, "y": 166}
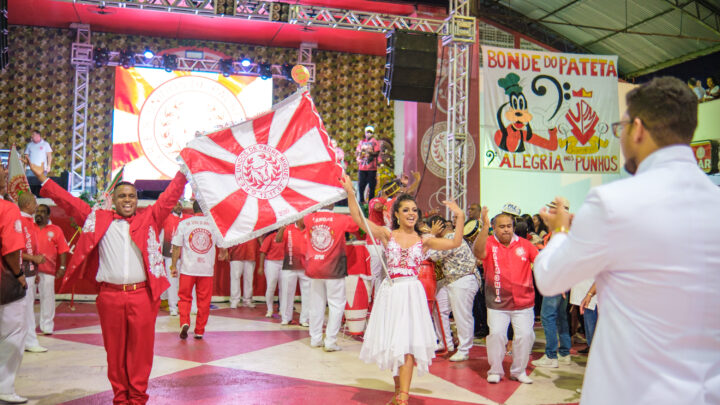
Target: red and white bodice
{"x": 403, "y": 262}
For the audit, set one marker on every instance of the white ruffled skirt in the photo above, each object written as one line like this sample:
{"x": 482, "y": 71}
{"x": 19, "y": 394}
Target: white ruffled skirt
{"x": 400, "y": 324}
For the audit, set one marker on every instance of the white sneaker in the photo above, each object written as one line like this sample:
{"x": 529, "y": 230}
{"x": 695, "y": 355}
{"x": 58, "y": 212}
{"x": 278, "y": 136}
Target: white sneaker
{"x": 332, "y": 348}
{"x": 284, "y": 323}
{"x": 523, "y": 378}
{"x": 493, "y": 378}
{"x": 441, "y": 347}
{"x": 459, "y": 357}
{"x": 268, "y": 314}
{"x": 36, "y": 349}
{"x": 304, "y": 324}
{"x": 13, "y": 398}
{"x": 233, "y": 305}
{"x": 174, "y": 312}
{"x": 545, "y": 361}
{"x": 565, "y": 360}
{"x": 318, "y": 344}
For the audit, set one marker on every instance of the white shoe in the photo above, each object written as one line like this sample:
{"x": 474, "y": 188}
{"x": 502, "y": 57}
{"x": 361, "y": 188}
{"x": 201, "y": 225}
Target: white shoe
{"x": 441, "y": 347}
{"x": 523, "y": 378}
{"x": 36, "y": 349}
{"x": 233, "y": 305}
{"x": 318, "y": 344}
{"x": 459, "y": 357}
{"x": 305, "y": 324}
{"x": 493, "y": 378}
{"x": 284, "y": 323}
{"x": 174, "y": 312}
{"x": 249, "y": 304}
{"x": 13, "y": 398}
{"x": 332, "y": 348}
{"x": 545, "y": 361}
{"x": 268, "y": 314}
{"x": 565, "y": 360}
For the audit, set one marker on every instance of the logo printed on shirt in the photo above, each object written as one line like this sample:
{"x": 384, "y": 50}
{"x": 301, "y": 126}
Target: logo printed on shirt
{"x": 50, "y": 235}
{"x": 321, "y": 238}
{"x": 18, "y": 226}
{"x": 200, "y": 240}
{"x": 520, "y": 252}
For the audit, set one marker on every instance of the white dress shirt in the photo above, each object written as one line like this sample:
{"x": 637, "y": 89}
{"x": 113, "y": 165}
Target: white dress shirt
{"x": 121, "y": 261}
{"x": 652, "y": 243}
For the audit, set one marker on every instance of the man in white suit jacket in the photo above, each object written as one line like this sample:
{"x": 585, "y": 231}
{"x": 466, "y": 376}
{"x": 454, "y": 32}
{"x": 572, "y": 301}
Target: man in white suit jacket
{"x": 652, "y": 242}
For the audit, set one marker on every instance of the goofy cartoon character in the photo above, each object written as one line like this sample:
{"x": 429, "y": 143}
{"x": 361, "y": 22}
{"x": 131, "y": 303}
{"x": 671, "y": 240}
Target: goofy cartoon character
{"x": 512, "y": 137}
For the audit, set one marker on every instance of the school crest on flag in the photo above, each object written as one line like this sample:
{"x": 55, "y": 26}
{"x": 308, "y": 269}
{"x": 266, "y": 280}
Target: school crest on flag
{"x": 264, "y": 173}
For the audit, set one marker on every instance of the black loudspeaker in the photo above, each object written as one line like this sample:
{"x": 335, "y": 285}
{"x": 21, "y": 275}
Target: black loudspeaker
{"x": 4, "y": 43}
{"x": 410, "y": 66}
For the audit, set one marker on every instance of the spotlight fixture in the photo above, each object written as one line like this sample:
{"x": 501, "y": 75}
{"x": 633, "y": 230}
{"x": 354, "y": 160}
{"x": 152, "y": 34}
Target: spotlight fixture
{"x": 245, "y": 62}
{"x": 226, "y": 67}
{"x": 127, "y": 58}
{"x": 101, "y": 56}
{"x": 170, "y": 62}
{"x": 148, "y": 54}
{"x": 286, "y": 69}
{"x": 265, "y": 70}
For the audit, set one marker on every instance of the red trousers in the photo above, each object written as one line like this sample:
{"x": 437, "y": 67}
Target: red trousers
{"x": 203, "y": 290}
{"x": 127, "y": 319}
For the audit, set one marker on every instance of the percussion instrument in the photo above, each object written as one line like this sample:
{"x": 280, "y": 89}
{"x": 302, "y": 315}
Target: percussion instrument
{"x": 471, "y": 229}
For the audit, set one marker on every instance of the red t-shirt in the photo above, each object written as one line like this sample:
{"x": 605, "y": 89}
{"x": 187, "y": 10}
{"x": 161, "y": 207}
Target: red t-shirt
{"x": 367, "y": 163}
{"x": 11, "y": 236}
{"x": 387, "y": 215}
{"x": 51, "y": 244}
{"x": 168, "y": 228}
{"x": 325, "y": 256}
{"x": 376, "y": 216}
{"x": 294, "y": 243}
{"x": 508, "y": 274}
{"x": 244, "y": 251}
{"x": 273, "y": 250}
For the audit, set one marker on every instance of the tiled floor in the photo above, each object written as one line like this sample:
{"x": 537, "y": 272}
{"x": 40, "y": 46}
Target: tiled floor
{"x": 246, "y": 358}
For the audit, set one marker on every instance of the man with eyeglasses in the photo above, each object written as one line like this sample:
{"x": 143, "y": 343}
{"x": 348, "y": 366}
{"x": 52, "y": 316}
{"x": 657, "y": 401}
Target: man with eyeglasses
{"x": 658, "y": 336}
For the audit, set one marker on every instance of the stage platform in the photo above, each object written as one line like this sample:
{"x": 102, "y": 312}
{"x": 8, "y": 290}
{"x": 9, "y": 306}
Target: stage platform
{"x": 246, "y": 358}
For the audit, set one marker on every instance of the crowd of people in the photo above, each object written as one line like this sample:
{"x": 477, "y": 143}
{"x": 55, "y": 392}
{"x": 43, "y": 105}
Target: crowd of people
{"x": 703, "y": 94}
{"x": 487, "y": 272}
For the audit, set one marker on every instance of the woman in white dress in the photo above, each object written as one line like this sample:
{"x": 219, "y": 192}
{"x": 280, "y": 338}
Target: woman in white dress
{"x": 400, "y": 332}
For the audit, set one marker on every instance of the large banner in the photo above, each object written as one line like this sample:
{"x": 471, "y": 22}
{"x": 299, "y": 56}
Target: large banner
{"x": 549, "y": 112}
{"x": 261, "y": 174}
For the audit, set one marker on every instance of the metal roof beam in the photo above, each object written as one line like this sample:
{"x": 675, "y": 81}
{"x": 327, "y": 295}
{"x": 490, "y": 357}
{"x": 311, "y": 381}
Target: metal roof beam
{"x": 625, "y": 30}
{"x": 682, "y": 7}
{"x": 673, "y": 62}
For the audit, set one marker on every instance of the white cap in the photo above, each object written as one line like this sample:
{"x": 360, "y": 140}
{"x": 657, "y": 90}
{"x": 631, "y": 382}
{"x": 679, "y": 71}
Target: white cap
{"x": 370, "y": 128}
{"x": 511, "y": 209}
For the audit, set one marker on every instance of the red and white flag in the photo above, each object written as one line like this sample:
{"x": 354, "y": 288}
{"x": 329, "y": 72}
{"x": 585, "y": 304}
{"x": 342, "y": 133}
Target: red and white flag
{"x": 17, "y": 181}
{"x": 265, "y": 173}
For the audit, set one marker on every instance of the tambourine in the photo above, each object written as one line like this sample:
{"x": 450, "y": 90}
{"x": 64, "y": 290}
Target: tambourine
{"x": 471, "y": 229}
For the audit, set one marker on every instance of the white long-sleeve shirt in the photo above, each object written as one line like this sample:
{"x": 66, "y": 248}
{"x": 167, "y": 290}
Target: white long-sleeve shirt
{"x": 652, "y": 242}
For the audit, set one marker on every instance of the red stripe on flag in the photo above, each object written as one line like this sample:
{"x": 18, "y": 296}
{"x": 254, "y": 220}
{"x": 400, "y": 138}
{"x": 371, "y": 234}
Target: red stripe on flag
{"x": 200, "y": 162}
{"x": 226, "y": 211}
{"x": 326, "y": 173}
{"x": 261, "y": 126}
{"x": 297, "y": 200}
{"x": 266, "y": 214}
{"x": 225, "y": 139}
{"x": 302, "y": 121}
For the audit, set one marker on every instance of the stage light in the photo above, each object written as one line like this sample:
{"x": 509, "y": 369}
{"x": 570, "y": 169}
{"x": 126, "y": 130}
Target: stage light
{"x": 265, "y": 70}
{"x": 245, "y": 62}
{"x": 286, "y": 69}
{"x": 226, "y": 67}
{"x": 101, "y": 56}
{"x": 170, "y": 62}
{"x": 148, "y": 54}
{"x": 127, "y": 58}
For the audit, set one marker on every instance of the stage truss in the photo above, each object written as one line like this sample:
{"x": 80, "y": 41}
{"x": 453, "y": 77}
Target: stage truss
{"x": 458, "y": 32}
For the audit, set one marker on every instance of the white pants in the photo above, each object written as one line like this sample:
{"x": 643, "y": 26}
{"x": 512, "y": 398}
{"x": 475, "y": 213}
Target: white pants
{"x": 376, "y": 268}
{"x": 272, "y": 274}
{"x": 12, "y": 346}
{"x": 524, "y": 337}
{"x": 46, "y": 287}
{"x": 171, "y": 294}
{"x": 30, "y": 335}
{"x": 288, "y": 281}
{"x": 458, "y": 296}
{"x": 332, "y": 293}
{"x": 244, "y": 269}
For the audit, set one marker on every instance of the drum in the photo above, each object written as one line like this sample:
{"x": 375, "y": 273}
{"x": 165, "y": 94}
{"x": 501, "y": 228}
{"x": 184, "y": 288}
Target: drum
{"x": 356, "y": 307}
{"x": 426, "y": 275}
{"x": 471, "y": 229}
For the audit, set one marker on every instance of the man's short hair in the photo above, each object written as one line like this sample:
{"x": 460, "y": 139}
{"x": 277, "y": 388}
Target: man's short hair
{"x": 25, "y": 199}
{"x": 502, "y": 214}
{"x": 667, "y": 108}
{"x": 44, "y": 205}
{"x": 124, "y": 183}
